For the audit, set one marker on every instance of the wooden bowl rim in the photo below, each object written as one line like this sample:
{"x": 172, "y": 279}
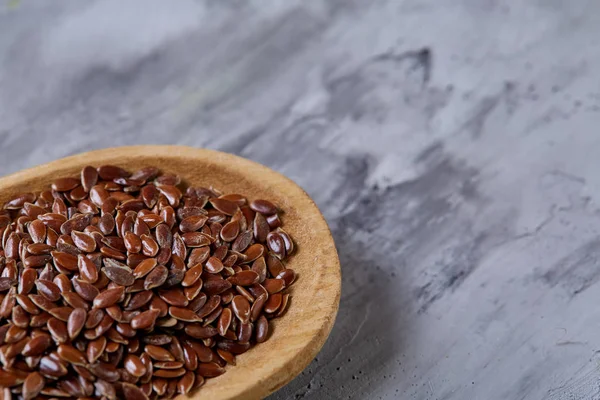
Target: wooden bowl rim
{"x": 316, "y": 319}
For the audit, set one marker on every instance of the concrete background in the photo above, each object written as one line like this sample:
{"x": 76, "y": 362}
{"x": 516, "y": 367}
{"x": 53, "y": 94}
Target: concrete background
{"x": 453, "y": 146}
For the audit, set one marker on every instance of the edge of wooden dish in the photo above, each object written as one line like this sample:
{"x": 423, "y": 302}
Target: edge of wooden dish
{"x": 300, "y": 334}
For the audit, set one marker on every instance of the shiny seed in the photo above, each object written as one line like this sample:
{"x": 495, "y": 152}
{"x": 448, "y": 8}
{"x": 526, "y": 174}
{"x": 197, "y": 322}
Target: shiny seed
{"x": 158, "y": 353}
{"x": 76, "y": 322}
{"x": 144, "y": 320}
{"x": 109, "y": 297}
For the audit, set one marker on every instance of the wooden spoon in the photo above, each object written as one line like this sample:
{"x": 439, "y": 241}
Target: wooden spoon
{"x": 297, "y": 336}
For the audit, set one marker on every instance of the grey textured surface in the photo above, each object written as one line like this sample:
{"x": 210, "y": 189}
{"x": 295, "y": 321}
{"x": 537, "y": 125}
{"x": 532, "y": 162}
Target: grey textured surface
{"x": 452, "y": 146}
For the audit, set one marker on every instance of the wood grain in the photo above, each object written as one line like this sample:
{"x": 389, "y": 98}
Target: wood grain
{"x": 298, "y": 336}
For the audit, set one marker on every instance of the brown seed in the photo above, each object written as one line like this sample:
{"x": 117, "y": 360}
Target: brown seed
{"x": 224, "y": 321}
{"x": 144, "y": 267}
{"x": 210, "y": 370}
{"x": 139, "y": 300}
{"x": 11, "y": 248}
{"x": 104, "y": 389}
{"x": 149, "y": 194}
{"x": 65, "y": 260}
{"x": 284, "y": 302}
{"x": 58, "y": 330}
{"x": 105, "y": 371}
{"x": 274, "y": 264}
{"x": 37, "y": 231}
{"x": 241, "y": 308}
{"x": 244, "y": 278}
{"x": 28, "y": 305}
{"x": 198, "y": 256}
{"x": 109, "y": 297}
{"x": 132, "y": 392}
{"x": 233, "y": 346}
{"x": 274, "y": 221}
{"x": 18, "y": 201}
{"x": 85, "y": 290}
{"x": 260, "y": 267}
{"x": 151, "y": 219}
{"x": 8, "y": 303}
{"x": 262, "y": 329}
{"x": 87, "y": 269}
{"x": 149, "y": 246}
{"x": 83, "y": 241}
{"x": 52, "y": 368}
{"x": 89, "y": 177}
{"x": 14, "y": 334}
{"x": 156, "y": 277}
{"x": 169, "y": 373}
{"x": 33, "y": 385}
{"x": 86, "y": 206}
{"x": 179, "y": 247}
{"x": 159, "y": 385}
{"x": 74, "y": 300}
{"x": 192, "y": 223}
{"x": 261, "y": 228}
{"x": 118, "y": 273}
{"x": 94, "y": 316}
{"x": 20, "y": 317}
{"x": 39, "y": 249}
{"x": 228, "y": 357}
{"x": 48, "y": 289}
{"x": 168, "y": 364}
{"x": 288, "y": 276}
{"x": 37, "y": 345}
{"x": 134, "y": 365}
{"x": 36, "y": 261}
{"x": 164, "y": 237}
{"x": 257, "y": 307}
{"x": 185, "y": 384}
{"x": 107, "y": 223}
{"x": 65, "y": 184}
{"x": 183, "y": 314}
{"x": 263, "y": 206}
{"x": 63, "y": 283}
{"x": 144, "y": 320}
{"x": 225, "y": 206}
{"x": 200, "y": 332}
{"x": 71, "y": 355}
{"x": 216, "y": 286}
{"x": 41, "y": 302}
{"x": 190, "y": 357}
{"x": 115, "y": 312}
{"x": 174, "y": 297}
{"x": 192, "y": 275}
{"x": 274, "y": 285}
{"x": 273, "y": 303}
{"x": 158, "y": 353}
{"x": 95, "y": 348}
{"x": 111, "y": 172}
{"x": 195, "y": 239}
{"x": 133, "y": 243}
{"x": 76, "y": 322}
{"x": 230, "y": 231}
{"x": 214, "y": 265}
{"x": 77, "y": 223}
{"x": 276, "y": 244}
{"x": 112, "y": 253}
{"x": 253, "y": 252}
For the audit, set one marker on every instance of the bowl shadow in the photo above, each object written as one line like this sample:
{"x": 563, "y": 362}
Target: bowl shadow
{"x": 368, "y": 333}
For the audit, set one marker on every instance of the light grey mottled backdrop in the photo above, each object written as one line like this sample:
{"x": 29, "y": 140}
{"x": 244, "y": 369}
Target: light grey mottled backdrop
{"x": 454, "y": 147}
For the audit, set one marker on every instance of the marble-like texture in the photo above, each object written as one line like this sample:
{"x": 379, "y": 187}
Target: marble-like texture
{"x": 452, "y": 146}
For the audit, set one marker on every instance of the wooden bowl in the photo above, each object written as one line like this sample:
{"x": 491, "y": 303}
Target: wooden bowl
{"x": 296, "y": 337}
